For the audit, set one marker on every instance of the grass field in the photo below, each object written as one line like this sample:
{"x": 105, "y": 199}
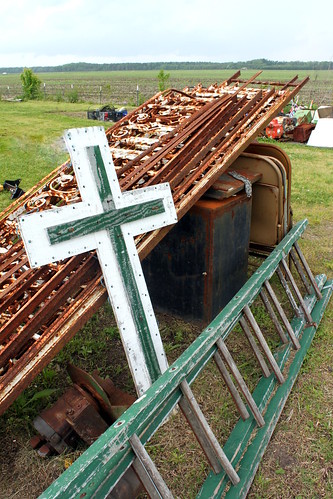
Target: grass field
{"x": 298, "y": 461}
{"x": 119, "y": 87}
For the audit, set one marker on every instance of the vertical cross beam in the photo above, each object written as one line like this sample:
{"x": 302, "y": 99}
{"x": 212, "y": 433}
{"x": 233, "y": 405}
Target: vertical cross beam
{"x": 106, "y": 221}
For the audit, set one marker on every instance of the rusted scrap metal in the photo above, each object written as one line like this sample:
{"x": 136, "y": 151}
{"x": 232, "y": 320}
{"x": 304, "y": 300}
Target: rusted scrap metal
{"x": 85, "y": 411}
{"x": 187, "y": 138}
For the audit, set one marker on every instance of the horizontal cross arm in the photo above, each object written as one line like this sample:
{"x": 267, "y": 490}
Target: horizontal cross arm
{"x": 105, "y": 220}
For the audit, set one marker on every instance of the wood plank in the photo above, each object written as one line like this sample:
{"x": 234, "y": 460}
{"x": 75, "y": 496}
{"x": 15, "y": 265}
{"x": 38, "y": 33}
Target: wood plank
{"x": 227, "y": 186}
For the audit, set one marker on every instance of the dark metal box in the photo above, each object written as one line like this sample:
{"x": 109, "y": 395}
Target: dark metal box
{"x": 200, "y": 265}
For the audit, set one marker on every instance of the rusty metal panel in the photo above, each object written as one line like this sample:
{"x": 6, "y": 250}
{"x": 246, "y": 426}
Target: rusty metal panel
{"x": 187, "y": 138}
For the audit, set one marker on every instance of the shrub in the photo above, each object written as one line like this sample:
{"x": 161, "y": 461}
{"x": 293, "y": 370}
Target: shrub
{"x": 163, "y": 79}
{"x": 73, "y": 96}
{"x": 30, "y": 84}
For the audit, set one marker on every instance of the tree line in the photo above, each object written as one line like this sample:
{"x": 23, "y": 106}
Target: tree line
{"x": 168, "y": 66}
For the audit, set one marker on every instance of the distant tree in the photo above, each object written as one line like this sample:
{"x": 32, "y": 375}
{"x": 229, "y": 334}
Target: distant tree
{"x": 163, "y": 79}
{"x": 31, "y": 85}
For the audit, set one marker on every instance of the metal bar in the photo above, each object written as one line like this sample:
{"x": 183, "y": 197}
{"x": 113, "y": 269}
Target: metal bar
{"x": 290, "y": 83}
{"x": 50, "y": 306}
{"x": 282, "y": 314}
{"x": 147, "y": 471}
{"x": 12, "y": 257}
{"x": 241, "y": 383}
{"x": 204, "y": 434}
{"x": 246, "y": 329}
{"x": 198, "y": 144}
{"x": 204, "y": 148}
{"x": 257, "y": 331}
{"x": 296, "y": 291}
{"x": 269, "y": 82}
{"x": 20, "y": 285}
{"x": 307, "y": 270}
{"x": 183, "y": 131}
{"x": 215, "y": 163}
{"x": 231, "y": 387}
{"x": 181, "y": 189}
{"x": 38, "y": 298}
{"x": 273, "y": 316}
{"x": 14, "y": 268}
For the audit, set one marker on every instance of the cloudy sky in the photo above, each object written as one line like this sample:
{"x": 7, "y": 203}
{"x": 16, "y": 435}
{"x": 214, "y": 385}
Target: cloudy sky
{"x": 54, "y": 32}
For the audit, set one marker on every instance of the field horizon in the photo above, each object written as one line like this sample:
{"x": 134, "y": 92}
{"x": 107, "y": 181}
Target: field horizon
{"x": 134, "y": 87}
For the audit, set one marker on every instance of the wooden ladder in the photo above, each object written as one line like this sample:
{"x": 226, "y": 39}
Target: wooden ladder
{"x": 122, "y": 446}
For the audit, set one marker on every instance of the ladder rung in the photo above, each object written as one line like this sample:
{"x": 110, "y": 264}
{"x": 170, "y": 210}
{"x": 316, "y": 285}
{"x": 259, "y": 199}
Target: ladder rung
{"x": 204, "y": 434}
{"x": 297, "y": 291}
{"x": 300, "y": 271}
{"x": 288, "y": 292}
{"x": 260, "y": 337}
{"x": 241, "y": 383}
{"x": 231, "y": 387}
{"x": 273, "y": 316}
{"x": 147, "y": 471}
{"x": 308, "y": 270}
{"x": 245, "y": 327}
{"x": 282, "y": 314}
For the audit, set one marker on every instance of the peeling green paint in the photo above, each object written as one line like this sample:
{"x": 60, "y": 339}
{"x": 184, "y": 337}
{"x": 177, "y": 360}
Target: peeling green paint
{"x": 112, "y": 220}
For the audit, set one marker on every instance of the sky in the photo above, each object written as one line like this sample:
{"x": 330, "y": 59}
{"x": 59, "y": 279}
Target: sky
{"x": 56, "y": 32}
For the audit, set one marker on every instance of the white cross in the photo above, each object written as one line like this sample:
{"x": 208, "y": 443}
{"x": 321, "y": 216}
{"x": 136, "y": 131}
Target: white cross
{"x": 106, "y": 221}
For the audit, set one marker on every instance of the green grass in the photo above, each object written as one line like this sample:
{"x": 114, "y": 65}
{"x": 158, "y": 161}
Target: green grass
{"x": 31, "y": 139}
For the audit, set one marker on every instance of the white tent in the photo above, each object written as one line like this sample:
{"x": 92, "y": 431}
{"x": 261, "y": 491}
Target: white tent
{"x": 322, "y": 135}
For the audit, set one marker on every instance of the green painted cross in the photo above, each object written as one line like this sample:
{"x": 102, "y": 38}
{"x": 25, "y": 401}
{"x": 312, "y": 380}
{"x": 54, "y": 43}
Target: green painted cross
{"x": 106, "y": 221}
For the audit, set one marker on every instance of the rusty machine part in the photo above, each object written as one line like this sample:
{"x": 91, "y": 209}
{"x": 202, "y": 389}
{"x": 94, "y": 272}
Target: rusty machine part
{"x": 187, "y": 138}
{"x": 84, "y": 411}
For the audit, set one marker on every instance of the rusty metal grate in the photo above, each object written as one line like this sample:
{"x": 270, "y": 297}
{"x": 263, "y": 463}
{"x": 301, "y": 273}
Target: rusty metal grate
{"x": 187, "y": 138}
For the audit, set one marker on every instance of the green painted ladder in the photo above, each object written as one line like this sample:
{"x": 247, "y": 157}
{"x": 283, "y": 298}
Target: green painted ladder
{"x": 103, "y": 464}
